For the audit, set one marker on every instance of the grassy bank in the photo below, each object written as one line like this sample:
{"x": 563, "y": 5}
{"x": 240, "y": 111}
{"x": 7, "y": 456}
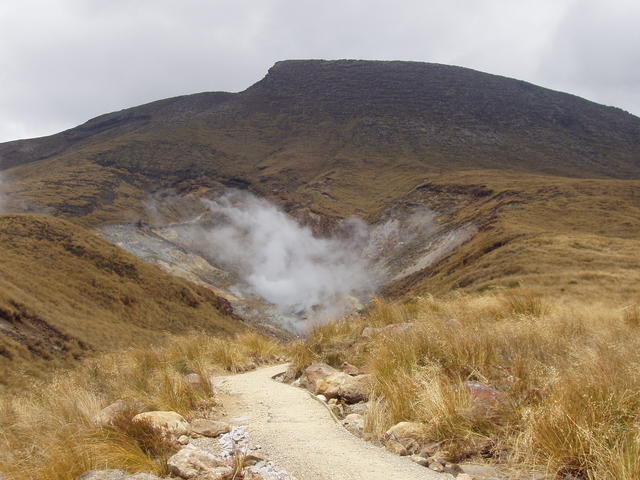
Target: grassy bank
{"x": 565, "y": 376}
{"x": 48, "y": 432}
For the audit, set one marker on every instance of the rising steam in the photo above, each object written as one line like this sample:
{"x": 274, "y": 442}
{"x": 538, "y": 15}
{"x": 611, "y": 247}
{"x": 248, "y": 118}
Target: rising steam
{"x": 284, "y": 263}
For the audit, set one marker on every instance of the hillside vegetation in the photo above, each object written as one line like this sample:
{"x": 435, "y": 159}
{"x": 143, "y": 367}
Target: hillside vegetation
{"x": 65, "y": 294}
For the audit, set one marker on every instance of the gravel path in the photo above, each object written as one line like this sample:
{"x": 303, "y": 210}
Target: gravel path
{"x": 297, "y": 433}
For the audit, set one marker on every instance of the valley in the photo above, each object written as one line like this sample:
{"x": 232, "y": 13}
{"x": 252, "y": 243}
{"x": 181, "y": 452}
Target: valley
{"x": 430, "y": 227}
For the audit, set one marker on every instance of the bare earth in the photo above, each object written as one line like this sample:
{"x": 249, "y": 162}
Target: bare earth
{"x": 299, "y": 434}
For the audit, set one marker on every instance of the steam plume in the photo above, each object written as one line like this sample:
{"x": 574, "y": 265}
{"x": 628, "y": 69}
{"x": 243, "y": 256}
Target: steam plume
{"x": 284, "y": 263}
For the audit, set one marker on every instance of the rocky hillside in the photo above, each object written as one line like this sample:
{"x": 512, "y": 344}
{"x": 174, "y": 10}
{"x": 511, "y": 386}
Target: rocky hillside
{"x": 65, "y": 293}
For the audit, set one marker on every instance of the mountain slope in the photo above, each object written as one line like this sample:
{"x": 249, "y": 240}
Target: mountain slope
{"x": 536, "y": 171}
{"x": 65, "y": 293}
{"x": 318, "y": 127}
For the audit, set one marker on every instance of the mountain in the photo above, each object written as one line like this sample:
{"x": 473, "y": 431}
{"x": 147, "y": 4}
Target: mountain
{"x": 315, "y": 130}
{"x": 548, "y": 180}
{"x": 65, "y": 294}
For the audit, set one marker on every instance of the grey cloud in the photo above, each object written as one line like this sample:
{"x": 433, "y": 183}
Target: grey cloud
{"x": 595, "y": 52}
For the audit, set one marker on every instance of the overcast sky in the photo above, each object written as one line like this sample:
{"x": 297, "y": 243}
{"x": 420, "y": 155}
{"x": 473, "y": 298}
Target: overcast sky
{"x": 65, "y": 61}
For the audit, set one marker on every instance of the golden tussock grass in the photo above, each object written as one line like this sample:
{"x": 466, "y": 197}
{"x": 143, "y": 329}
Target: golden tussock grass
{"x": 565, "y": 373}
{"x": 48, "y": 432}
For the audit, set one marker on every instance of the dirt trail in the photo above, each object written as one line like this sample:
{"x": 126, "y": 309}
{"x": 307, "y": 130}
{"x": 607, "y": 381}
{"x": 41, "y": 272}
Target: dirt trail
{"x": 299, "y": 434}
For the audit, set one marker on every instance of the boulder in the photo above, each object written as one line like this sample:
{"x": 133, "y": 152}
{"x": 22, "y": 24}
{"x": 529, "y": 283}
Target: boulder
{"x": 315, "y": 373}
{"x": 349, "y": 389}
{"x": 209, "y": 428}
{"x": 396, "y": 448}
{"x": 193, "y": 463}
{"x": 409, "y": 434}
{"x": 435, "y": 465}
{"x": 349, "y": 369}
{"x": 429, "y": 449}
{"x": 452, "y": 468}
{"x": 359, "y": 408}
{"x": 419, "y": 460}
{"x": 108, "y": 415}
{"x": 354, "y": 423}
{"x": 479, "y": 393}
{"x": 166, "y": 422}
{"x": 194, "y": 380}
{"x": 289, "y": 376}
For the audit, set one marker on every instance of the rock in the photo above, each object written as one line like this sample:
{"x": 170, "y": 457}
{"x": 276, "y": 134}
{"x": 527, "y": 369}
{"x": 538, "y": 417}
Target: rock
{"x": 289, "y": 376}
{"x": 359, "y": 408}
{"x": 464, "y": 476}
{"x": 429, "y": 449}
{"x": 354, "y": 423}
{"x": 333, "y": 401}
{"x": 481, "y": 393}
{"x": 400, "y": 430}
{"x": 478, "y": 470}
{"x": 436, "y": 466}
{"x": 452, "y": 468}
{"x": 349, "y": 389}
{"x": 322, "y": 398}
{"x": 102, "y": 475}
{"x": 349, "y": 369}
{"x": 192, "y": 463}
{"x": 409, "y": 434}
{"x": 315, "y": 373}
{"x": 108, "y": 415}
{"x": 419, "y": 460}
{"x": 141, "y": 476}
{"x": 194, "y": 380}
{"x": 395, "y": 447}
{"x": 183, "y": 440}
{"x": 209, "y": 428}
{"x": 166, "y": 422}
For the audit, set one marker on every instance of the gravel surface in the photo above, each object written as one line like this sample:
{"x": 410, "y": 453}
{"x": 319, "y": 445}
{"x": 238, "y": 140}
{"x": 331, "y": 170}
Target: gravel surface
{"x": 297, "y": 433}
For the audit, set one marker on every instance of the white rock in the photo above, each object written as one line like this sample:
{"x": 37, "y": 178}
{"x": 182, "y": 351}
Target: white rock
{"x": 322, "y": 398}
{"x": 354, "y": 423}
{"x": 192, "y": 463}
{"x": 209, "y": 428}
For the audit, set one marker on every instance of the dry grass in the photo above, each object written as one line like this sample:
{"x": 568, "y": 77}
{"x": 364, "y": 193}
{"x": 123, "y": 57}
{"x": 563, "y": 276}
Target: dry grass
{"x": 565, "y": 372}
{"x": 47, "y": 433}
